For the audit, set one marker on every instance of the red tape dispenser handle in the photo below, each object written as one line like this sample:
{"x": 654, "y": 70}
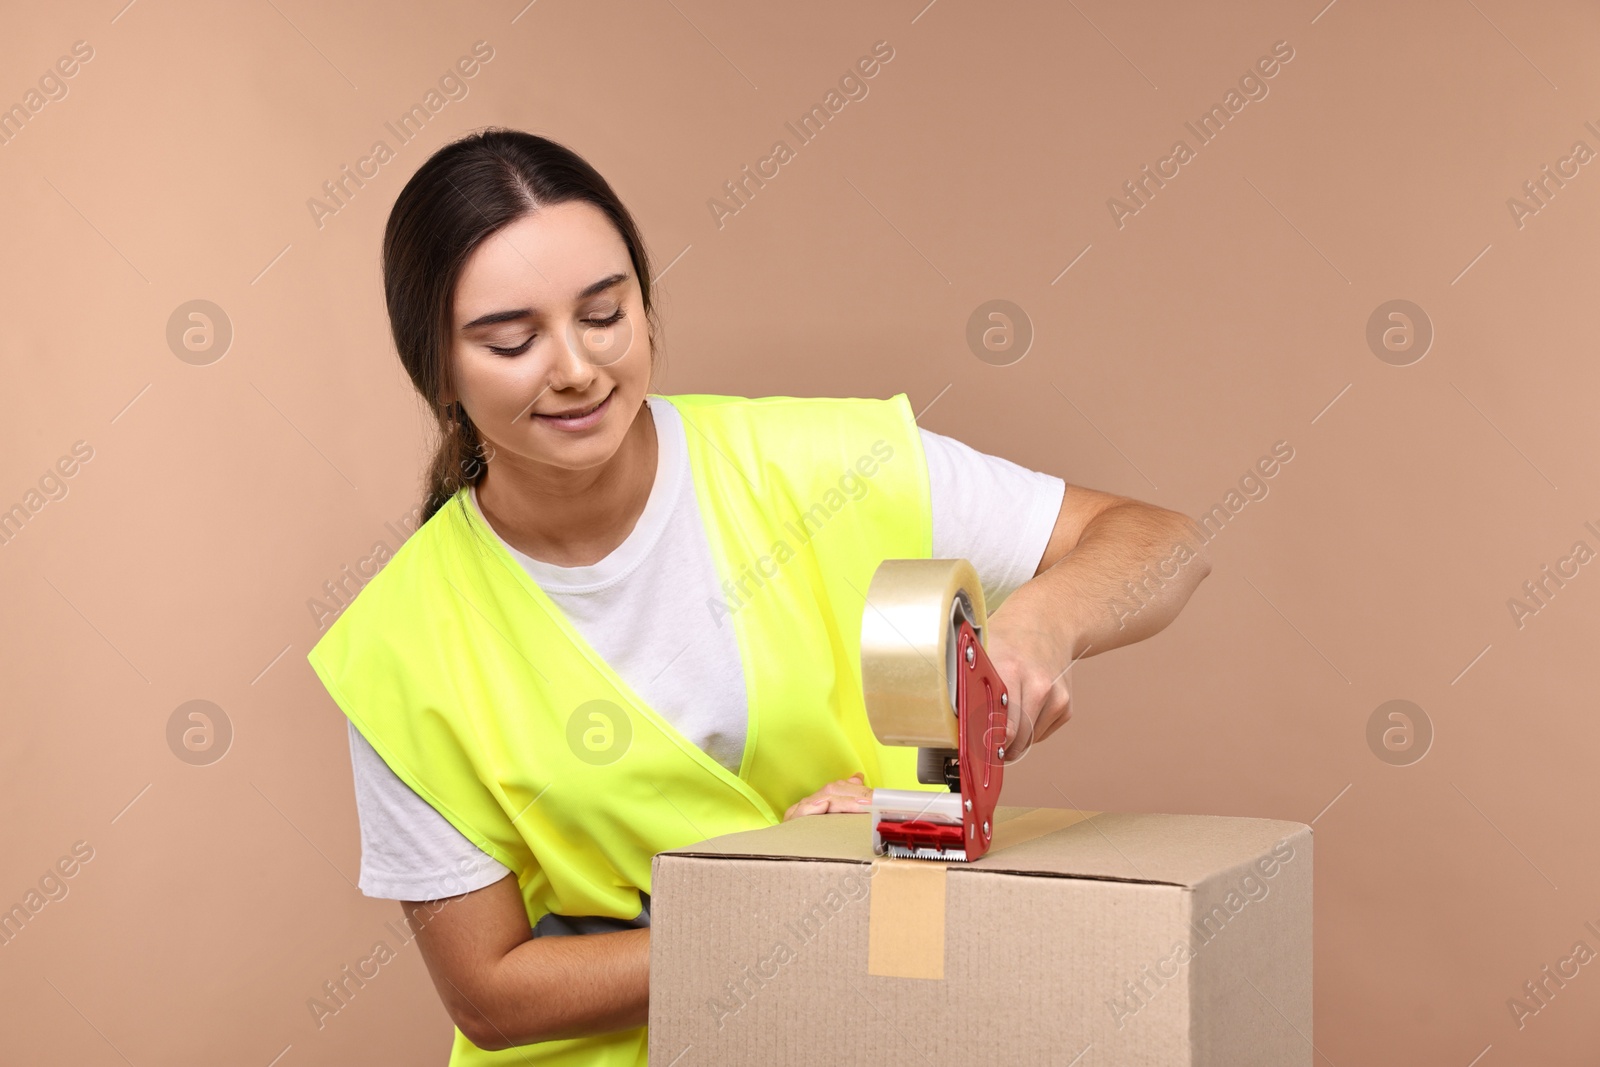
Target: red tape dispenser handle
{"x": 981, "y": 703}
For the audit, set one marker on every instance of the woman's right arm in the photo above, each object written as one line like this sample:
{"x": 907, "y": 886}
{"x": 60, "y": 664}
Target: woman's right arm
{"x": 504, "y": 987}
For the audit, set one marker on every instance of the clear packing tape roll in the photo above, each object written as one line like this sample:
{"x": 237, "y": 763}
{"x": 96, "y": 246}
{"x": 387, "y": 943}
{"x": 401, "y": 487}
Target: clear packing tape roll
{"x": 908, "y": 648}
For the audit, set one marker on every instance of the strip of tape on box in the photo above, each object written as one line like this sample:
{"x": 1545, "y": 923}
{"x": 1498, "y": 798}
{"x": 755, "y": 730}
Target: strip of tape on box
{"x": 905, "y": 919}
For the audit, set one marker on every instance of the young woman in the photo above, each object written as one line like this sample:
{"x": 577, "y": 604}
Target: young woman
{"x": 631, "y": 621}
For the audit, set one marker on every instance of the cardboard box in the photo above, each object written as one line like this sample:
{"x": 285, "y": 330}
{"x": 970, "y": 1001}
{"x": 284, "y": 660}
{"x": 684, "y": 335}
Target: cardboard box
{"x": 1081, "y": 938}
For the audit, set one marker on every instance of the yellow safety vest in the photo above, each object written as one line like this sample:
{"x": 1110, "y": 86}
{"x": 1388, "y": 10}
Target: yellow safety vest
{"x": 483, "y": 698}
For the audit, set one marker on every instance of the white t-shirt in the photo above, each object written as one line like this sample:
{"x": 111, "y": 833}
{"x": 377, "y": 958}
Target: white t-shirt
{"x": 631, "y": 605}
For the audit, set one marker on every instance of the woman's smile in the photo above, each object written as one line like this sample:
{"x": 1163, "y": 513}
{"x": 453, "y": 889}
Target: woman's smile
{"x": 581, "y": 418}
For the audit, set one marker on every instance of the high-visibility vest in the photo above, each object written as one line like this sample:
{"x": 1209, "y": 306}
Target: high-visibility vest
{"x": 483, "y": 698}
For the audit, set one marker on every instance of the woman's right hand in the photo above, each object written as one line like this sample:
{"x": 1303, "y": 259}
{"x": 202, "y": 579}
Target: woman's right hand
{"x": 847, "y": 795}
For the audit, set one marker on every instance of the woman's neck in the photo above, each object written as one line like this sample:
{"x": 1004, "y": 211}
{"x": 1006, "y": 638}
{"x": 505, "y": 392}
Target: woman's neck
{"x": 572, "y": 518}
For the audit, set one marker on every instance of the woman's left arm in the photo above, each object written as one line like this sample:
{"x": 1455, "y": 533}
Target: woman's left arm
{"x": 1115, "y": 571}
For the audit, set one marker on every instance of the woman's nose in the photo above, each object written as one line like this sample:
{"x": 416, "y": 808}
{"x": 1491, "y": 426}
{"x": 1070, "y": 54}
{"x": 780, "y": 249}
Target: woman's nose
{"x": 572, "y": 367}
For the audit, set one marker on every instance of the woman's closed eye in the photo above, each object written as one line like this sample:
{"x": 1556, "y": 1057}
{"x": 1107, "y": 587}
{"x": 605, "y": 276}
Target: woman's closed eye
{"x": 517, "y": 351}
{"x": 610, "y": 320}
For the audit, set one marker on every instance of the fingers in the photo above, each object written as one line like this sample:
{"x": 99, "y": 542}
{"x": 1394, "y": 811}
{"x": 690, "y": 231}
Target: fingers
{"x": 824, "y": 805}
{"x": 1019, "y": 729}
{"x": 1013, "y": 712}
{"x": 1049, "y": 724}
{"x": 1030, "y": 720}
{"x": 850, "y": 786}
{"x": 846, "y": 795}
{"x": 1055, "y": 713}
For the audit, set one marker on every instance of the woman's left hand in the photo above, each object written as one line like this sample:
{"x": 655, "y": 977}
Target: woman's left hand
{"x": 847, "y": 794}
{"x": 1038, "y": 703}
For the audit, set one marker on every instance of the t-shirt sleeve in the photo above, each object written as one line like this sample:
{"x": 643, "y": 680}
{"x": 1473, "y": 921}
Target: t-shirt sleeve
{"x": 994, "y": 513}
{"x": 408, "y": 850}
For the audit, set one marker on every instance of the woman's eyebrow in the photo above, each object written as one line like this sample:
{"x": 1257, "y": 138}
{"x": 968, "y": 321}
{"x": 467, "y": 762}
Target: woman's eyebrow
{"x": 495, "y": 317}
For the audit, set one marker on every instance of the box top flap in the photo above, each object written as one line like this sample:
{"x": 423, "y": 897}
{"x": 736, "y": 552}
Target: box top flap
{"x": 1180, "y": 850}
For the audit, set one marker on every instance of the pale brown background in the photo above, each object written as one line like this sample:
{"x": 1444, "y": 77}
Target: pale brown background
{"x": 1224, "y": 317}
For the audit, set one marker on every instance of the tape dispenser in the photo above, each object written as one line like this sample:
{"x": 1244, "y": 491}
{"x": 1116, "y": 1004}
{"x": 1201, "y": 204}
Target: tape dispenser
{"x": 928, "y": 682}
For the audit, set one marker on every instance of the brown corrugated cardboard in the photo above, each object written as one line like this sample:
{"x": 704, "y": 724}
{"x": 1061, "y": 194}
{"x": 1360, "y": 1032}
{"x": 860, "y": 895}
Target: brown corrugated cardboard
{"x": 1081, "y": 938}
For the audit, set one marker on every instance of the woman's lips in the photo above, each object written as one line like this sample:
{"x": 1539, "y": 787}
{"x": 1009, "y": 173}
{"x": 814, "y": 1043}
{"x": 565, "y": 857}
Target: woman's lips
{"x": 579, "y": 422}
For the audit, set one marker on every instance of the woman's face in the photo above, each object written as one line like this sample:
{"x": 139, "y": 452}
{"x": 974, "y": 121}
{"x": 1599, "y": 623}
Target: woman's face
{"x": 549, "y": 322}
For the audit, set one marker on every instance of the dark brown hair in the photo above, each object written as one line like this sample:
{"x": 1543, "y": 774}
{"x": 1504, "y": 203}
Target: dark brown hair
{"x": 465, "y": 192}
